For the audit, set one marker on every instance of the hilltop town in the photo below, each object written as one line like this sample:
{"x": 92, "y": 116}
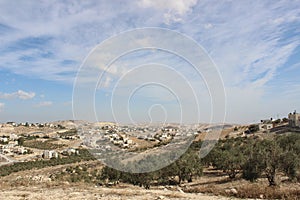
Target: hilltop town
{"x": 65, "y": 146}
{"x": 21, "y": 142}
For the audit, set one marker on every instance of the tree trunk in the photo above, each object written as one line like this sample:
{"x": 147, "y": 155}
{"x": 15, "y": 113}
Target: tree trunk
{"x": 272, "y": 178}
{"x": 190, "y": 178}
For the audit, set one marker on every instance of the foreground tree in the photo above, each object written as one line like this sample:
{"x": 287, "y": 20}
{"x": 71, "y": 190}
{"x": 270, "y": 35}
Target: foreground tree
{"x": 227, "y": 156}
{"x": 110, "y": 174}
{"x": 186, "y": 168}
{"x": 290, "y": 160}
{"x": 264, "y": 157}
{"x": 271, "y": 157}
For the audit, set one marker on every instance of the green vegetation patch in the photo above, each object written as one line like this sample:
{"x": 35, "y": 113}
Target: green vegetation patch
{"x": 84, "y": 155}
{"x": 44, "y": 145}
{"x": 71, "y": 132}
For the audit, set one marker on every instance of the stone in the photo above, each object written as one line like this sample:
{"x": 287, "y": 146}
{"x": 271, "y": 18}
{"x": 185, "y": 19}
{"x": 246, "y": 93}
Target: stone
{"x": 180, "y": 190}
{"x": 233, "y": 191}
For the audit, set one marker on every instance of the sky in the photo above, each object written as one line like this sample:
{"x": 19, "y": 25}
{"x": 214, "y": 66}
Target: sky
{"x": 254, "y": 46}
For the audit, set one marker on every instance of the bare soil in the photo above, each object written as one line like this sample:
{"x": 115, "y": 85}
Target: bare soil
{"x": 66, "y": 191}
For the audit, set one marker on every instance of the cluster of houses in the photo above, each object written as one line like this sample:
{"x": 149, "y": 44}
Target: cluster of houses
{"x": 120, "y": 140}
{"x": 119, "y": 135}
{"x": 153, "y": 134}
{"x": 12, "y": 148}
{"x": 48, "y": 154}
{"x": 293, "y": 121}
{"x": 99, "y": 141}
{"x": 9, "y": 145}
{"x": 137, "y": 129}
{"x": 50, "y": 125}
{"x": 106, "y": 137}
{"x": 161, "y": 134}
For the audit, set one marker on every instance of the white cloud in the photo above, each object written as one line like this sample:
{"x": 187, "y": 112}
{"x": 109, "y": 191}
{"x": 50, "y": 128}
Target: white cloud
{"x": 107, "y": 82}
{"x": 241, "y": 40}
{"x": 44, "y": 104}
{"x": 250, "y": 41}
{"x": 293, "y": 67}
{"x": 179, "y": 6}
{"x": 1, "y": 106}
{"x": 173, "y": 10}
{"x": 20, "y": 94}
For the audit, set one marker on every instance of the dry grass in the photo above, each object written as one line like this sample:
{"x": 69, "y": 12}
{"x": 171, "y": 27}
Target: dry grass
{"x": 255, "y": 191}
{"x": 250, "y": 190}
{"x": 224, "y": 133}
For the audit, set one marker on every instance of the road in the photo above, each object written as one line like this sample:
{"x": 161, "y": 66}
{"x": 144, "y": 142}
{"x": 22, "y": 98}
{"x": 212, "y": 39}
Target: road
{"x": 9, "y": 160}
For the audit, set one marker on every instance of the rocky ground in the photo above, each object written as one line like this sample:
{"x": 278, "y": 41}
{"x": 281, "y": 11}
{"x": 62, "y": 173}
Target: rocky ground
{"x": 83, "y": 192}
{"x": 36, "y": 184}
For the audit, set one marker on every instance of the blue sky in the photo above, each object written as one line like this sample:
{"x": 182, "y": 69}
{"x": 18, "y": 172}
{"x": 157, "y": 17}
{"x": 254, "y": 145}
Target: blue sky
{"x": 254, "y": 44}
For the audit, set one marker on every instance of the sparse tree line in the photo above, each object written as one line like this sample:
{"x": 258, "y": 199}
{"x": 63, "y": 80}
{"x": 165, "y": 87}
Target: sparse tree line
{"x": 186, "y": 168}
{"x": 255, "y": 158}
{"x": 249, "y": 158}
{"x": 84, "y": 155}
{"x": 68, "y": 133}
{"x": 37, "y": 144}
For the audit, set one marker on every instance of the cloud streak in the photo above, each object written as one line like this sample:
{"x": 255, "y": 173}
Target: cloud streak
{"x": 20, "y": 94}
{"x": 174, "y": 10}
{"x": 251, "y": 42}
{"x": 245, "y": 38}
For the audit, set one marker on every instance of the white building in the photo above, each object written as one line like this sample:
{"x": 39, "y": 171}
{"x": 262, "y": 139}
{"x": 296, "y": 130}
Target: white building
{"x": 4, "y": 139}
{"x": 13, "y": 136}
{"x": 265, "y": 125}
{"x": 48, "y": 154}
{"x": 294, "y": 119}
{"x": 21, "y": 150}
{"x": 71, "y": 151}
